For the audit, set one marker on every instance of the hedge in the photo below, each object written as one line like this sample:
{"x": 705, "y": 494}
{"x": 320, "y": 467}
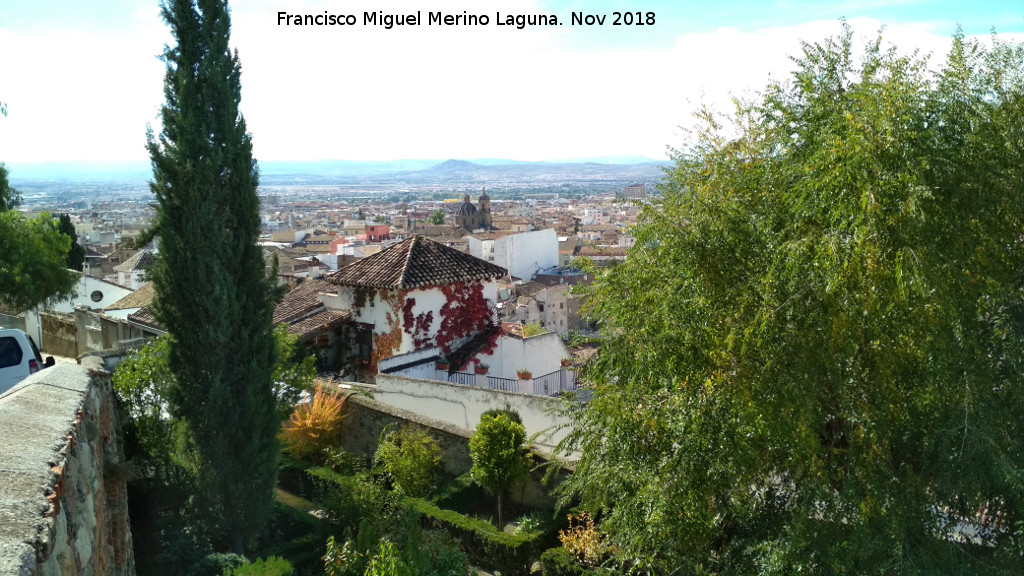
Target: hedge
{"x": 484, "y": 544}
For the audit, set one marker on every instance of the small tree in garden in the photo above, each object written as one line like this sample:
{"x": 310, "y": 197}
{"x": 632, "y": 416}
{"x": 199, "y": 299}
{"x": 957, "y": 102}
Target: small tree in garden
{"x": 410, "y": 457}
{"x": 499, "y": 457}
{"x": 314, "y": 425}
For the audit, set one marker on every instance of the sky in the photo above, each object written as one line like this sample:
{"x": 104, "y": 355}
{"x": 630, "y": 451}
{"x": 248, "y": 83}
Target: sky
{"x": 82, "y": 79}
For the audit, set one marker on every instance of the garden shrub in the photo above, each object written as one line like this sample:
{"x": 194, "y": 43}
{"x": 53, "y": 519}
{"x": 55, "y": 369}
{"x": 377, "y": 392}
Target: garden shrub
{"x": 216, "y": 564}
{"x": 484, "y": 544}
{"x": 583, "y": 541}
{"x": 272, "y": 566}
{"x": 410, "y": 458}
{"x": 402, "y": 548}
{"x": 508, "y": 411}
{"x": 314, "y": 425}
{"x": 344, "y": 462}
{"x": 349, "y": 499}
{"x": 561, "y": 562}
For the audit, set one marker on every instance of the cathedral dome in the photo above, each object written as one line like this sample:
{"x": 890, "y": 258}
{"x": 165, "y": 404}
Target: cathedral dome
{"x": 466, "y": 208}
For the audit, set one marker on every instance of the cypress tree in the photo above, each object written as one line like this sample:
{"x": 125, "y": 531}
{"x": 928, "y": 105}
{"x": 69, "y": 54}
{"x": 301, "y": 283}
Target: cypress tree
{"x": 214, "y": 295}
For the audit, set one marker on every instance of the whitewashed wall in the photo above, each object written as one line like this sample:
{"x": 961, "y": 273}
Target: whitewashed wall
{"x": 524, "y": 254}
{"x": 463, "y": 405}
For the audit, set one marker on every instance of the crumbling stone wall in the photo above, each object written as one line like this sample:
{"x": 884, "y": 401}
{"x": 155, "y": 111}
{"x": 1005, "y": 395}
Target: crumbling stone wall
{"x": 63, "y": 502}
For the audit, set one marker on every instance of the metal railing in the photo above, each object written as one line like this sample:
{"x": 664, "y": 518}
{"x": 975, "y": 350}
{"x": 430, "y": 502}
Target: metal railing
{"x": 506, "y": 384}
{"x": 464, "y": 378}
{"x": 554, "y": 383}
{"x": 551, "y": 384}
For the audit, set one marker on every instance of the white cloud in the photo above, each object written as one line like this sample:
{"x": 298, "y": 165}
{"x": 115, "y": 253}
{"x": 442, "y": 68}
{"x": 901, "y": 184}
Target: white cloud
{"x": 428, "y": 92}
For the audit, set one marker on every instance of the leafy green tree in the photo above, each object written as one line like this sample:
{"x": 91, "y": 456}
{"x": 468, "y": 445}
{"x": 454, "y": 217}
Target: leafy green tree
{"x": 294, "y": 371}
{"x": 10, "y": 198}
{"x": 160, "y": 444}
{"x": 813, "y": 357}
{"x": 437, "y": 217}
{"x": 213, "y": 293}
{"x": 499, "y": 455}
{"x": 410, "y": 457}
{"x": 76, "y": 254}
{"x": 32, "y": 260}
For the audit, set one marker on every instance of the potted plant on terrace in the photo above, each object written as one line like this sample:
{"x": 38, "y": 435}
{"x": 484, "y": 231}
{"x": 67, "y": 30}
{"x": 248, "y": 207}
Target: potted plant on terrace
{"x": 566, "y": 362}
{"x": 443, "y": 363}
{"x": 481, "y": 368}
{"x": 524, "y": 374}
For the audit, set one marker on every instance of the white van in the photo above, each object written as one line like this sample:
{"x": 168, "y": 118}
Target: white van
{"x": 19, "y": 357}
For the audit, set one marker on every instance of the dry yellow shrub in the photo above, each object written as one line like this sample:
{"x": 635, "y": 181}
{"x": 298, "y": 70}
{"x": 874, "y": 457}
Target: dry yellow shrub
{"x": 315, "y": 424}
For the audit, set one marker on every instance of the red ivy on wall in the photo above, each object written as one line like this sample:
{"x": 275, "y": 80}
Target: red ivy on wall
{"x": 465, "y": 312}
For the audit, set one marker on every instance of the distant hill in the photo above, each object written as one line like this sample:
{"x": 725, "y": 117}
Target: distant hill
{"x": 274, "y": 172}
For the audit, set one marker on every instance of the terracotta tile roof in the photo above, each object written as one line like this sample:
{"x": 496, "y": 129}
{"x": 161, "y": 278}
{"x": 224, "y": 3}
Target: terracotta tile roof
{"x": 141, "y": 260}
{"x": 415, "y": 263}
{"x": 144, "y": 317}
{"x": 529, "y": 288}
{"x": 607, "y": 251}
{"x": 302, "y": 300}
{"x": 137, "y": 299}
{"x": 322, "y": 320}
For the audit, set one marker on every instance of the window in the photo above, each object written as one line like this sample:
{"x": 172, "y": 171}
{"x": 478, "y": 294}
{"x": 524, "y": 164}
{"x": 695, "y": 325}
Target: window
{"x": 96, "y": 296}
{"x": 10, "y": 352}
{"x": 561, "y": 305}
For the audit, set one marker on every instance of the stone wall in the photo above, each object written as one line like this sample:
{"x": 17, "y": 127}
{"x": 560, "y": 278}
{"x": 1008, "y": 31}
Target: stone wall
{"x": 365, "y": 420}
{"x": 63, "y": 503}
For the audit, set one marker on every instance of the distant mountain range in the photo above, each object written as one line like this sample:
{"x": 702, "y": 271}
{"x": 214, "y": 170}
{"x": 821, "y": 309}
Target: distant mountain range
{"x": 347, "y": 172}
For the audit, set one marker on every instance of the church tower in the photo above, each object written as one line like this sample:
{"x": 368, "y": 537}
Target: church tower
{"x": 485, "y": 209}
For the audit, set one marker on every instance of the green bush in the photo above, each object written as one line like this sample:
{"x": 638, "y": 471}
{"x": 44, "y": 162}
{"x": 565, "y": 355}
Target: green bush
{"x": 507, "y": 411}
{"x": 409, "y": 457}
{"x": 347, "y": 500}
{"x": 216, "y": 564}
{"x": 410, "y": 550}
{"x": 559, "y": 562}
{"x": 484, "y": 544}
{"x": 272, "y": 566}
{"x": 343, "y": 462}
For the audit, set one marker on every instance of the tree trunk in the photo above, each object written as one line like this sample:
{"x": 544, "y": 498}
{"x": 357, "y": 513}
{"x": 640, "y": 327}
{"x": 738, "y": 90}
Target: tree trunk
{"x": 501, "y": 525}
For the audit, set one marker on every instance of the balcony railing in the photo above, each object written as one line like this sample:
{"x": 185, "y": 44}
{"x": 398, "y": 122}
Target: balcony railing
{"x": 551, "y": 384}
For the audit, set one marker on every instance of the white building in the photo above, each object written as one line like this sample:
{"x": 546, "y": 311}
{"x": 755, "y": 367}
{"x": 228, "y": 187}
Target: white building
{"x": 523, "y": 254}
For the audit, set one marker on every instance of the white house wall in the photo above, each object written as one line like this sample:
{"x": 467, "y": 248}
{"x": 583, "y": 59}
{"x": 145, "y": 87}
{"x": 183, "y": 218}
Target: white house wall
{"x": 540, "y": 354}
{"x": 527, "y": 253}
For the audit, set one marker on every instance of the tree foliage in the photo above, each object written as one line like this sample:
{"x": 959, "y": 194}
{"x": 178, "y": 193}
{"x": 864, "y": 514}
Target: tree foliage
{"x": 213, "y": 293}
{"x": 159, "y": 444}
{"x": 32, "y": 261}
{"x": 76, "y": 253}
{"x": 437, "y": 217}
{"x": 410, "y": 457}
{"x": 814, "y": 352}
{"x": 10, "y": 198}
{"x": 295, "y": 370}
{"x": 499, "y": 455}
